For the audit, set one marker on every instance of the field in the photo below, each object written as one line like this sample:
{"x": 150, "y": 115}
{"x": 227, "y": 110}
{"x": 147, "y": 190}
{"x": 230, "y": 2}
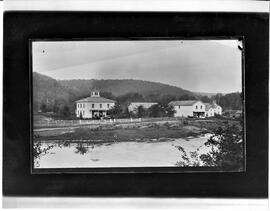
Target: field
{"x": 155, "y": 130}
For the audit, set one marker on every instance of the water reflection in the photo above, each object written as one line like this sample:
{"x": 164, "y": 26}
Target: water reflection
{"x": 72, "y": 154}
{"x": 81, "y": 148}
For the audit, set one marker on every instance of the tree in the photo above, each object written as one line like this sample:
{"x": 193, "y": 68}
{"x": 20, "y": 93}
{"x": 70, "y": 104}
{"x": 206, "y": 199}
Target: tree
{"x": 39, "y": 151}
{"x": 65, "y": 112}
{"x": 130, "y": 97}
{"x": 186, "y": 97}
{"x": 160, "y": 110}
{"x": 108, "y": 95}
{"x": 141, "y": 112}
{"x": 169, "y": 110}
{"x": 81, "y": 148}
{"x": 153, "y": 97}
{"x": 229, "y": 101}
{"x": 126, "y": 113}
{"x": 154, "y": 110}
{"x": 43, "y": 107}
{"x": 164, "y": 100}
{"x": 55, "y": 108}
{"x": 116, "y": 111}
{"x": 227, "y": 148}
{"x": 205, "y": 99}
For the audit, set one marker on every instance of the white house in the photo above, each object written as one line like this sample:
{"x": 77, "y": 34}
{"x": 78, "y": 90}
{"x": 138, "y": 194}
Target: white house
{"x": 186, "y": 108}
{"x": 209, "y": 110}
{"x": 94, "y": 106}
{"x": 195, "y": 108}
{"x": 212, "y": 109}
{"x": 134, "y": 105}
{"x": 217, "y": 108}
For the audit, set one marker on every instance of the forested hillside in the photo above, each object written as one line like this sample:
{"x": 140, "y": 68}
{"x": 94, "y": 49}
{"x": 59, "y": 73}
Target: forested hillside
{"x": 50, "y": 95}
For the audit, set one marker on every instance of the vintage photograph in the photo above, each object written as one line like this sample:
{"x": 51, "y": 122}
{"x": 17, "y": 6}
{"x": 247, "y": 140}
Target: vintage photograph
{"x": 138, "y": 103}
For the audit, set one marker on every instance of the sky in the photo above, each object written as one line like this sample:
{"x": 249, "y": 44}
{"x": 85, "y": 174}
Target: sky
{"x": 213, "y": 66}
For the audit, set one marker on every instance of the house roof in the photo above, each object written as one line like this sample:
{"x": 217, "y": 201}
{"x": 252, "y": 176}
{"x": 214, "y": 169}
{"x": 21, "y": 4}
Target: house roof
{"x": 208, "y": 106}
{"x": 142, "y": 103}
{"x": 96, "y": 100}
{"x": 183, "y": 102}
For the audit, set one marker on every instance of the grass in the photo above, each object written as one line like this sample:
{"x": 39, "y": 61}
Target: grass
{"x": 137, "y": 132}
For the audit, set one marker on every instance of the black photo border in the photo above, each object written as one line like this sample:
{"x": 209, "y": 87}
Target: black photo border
{"x": 20, "y": 27}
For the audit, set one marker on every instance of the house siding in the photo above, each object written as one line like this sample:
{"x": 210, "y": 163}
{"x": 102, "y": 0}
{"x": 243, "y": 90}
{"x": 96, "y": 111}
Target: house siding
{"x": 86, "y": 109}
{"x": 185, "y": 111}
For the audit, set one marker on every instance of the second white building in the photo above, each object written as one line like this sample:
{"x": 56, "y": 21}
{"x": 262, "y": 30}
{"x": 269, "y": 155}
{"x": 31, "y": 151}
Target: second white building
{"x": 188, "y": 108}
{"x": 195, "y": 108}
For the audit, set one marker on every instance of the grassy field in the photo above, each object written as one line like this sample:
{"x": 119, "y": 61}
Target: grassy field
{"x": 158, "y": 131}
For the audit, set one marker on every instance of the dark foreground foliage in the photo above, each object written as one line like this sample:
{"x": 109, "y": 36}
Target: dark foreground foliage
{"x": 228, "y": 149}
{"x": 38, "y": 151}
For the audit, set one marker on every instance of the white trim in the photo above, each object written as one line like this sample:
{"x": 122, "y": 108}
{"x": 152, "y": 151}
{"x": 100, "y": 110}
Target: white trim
{"x": 132, "y": 203}
{"x": 139, "y": 5}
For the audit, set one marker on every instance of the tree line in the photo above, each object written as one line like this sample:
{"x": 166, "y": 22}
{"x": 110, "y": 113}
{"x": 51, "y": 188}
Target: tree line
{"x": 66, "y": 108}
{"x": 157, "y": 110}
{"x": 231, "y": 101}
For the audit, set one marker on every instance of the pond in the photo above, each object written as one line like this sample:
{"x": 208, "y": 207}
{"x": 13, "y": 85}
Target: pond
{"x": 81, "y": 154}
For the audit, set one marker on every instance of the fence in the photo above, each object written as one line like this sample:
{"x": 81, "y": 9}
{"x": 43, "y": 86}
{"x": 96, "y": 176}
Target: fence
{"x": 68, "y": 123}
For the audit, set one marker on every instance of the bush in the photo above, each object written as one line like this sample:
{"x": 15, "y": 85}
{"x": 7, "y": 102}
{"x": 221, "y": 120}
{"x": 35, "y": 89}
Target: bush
{"x": 228, "y": 149}
{"x": 185, "y": 122}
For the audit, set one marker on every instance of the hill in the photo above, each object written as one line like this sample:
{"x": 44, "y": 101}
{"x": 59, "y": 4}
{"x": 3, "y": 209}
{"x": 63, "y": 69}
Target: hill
{"x": 122, "y": 87}
{"x": 59, "y": 95}
{"x": 49, "y": 91}
{"x": 50, "y": 94}
{"x": 208, "y": 94}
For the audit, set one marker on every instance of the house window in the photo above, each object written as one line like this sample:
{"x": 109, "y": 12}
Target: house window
{"x": 201, "y": 107}
{"x": 78, "y": 105}
{"x": 83, "y": 105}
{"x": 93, "y": 105}
{"x": 196, "y": 107}
{"x": 83, "y": 112}
{"x": 96, "y": 93}
{"x": 179, "y": 107}
{"x": 108, "y": 105}
{"x": 100, "y": 105}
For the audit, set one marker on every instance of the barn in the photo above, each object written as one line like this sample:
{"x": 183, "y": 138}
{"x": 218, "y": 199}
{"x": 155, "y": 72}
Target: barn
{"x": 133, "y": 106}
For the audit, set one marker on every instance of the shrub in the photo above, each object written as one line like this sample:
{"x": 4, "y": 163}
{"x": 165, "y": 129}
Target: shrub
{"x": 227, "y": 151}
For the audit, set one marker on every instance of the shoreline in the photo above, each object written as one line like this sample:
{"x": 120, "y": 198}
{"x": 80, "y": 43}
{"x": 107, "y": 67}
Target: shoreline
{"x": 145, "y": 140}
{"x": 125, "y": 133}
